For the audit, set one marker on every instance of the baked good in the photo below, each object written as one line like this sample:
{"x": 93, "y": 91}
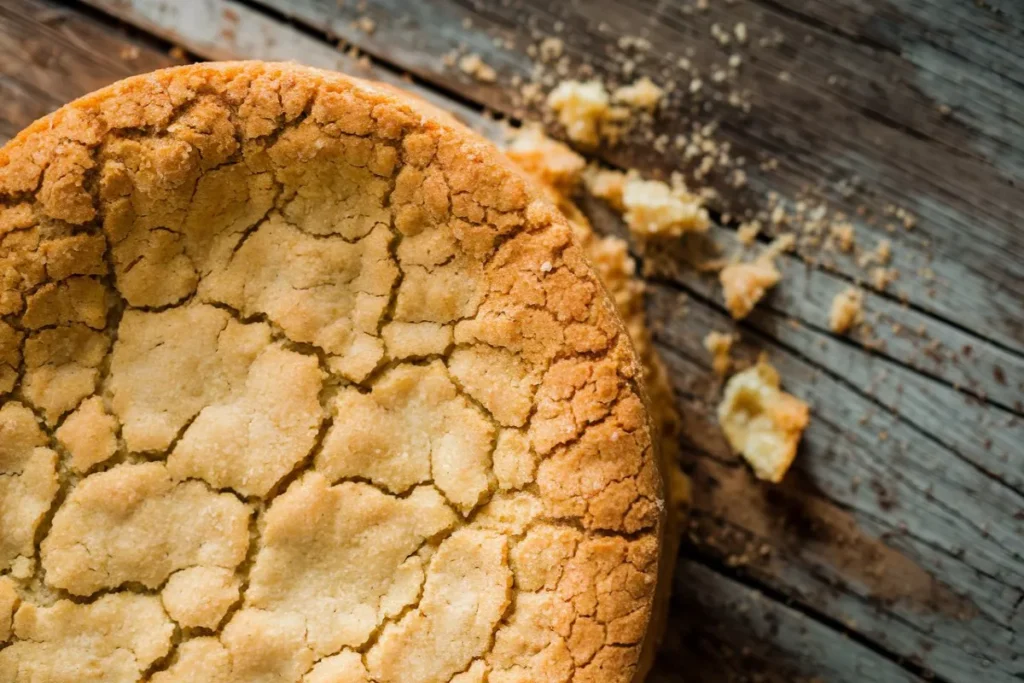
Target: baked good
{"x": 302, "y": 381}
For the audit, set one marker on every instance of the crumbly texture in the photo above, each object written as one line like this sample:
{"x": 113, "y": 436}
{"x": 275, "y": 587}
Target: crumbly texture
{"x": 762, "y": 422}
{"x": 846, "y": 310}
{"x": 302, "y": 381}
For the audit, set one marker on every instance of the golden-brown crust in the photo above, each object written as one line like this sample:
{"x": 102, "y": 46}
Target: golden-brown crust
{"x": 177, "y": 248}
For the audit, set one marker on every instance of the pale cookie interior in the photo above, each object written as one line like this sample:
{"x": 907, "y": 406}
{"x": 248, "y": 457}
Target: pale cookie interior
{"x": 299, "y": 381}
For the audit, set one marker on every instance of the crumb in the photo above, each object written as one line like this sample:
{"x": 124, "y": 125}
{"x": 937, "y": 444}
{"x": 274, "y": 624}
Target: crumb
{"x": 582, "y": 108}
{"x": 653, "y": 207}
{"x": 748, "y": 232}
{"x": 365, "y": 24}
{"x": 842, "y": 233}
{"x": 720, "y": 35}
{"x": 882, "y": 277}
{"x": 784, "y": 242}
{"x": 719, "y": 344}
{"x": 551, "y": 49}
{"x": 883, "y": 252}
{"x": 761, "y": 422}
{"x": 178, "y": 52}
{"x": 740, "y": 31}
{"x": 641, "y": 94}
{"x": 473, "y": 65}
{"x": 846, "y": 310}
{"x": 743, "y": 285}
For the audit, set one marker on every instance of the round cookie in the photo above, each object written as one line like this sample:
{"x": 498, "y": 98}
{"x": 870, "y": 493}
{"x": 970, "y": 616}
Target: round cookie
{"x": 302, "y": 381}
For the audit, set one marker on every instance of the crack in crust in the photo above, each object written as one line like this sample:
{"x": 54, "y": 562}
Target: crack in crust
{"x": 250, "y": 291}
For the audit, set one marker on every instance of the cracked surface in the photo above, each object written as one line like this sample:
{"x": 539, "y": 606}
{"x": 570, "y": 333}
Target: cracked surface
{"x": 301, "y": 381}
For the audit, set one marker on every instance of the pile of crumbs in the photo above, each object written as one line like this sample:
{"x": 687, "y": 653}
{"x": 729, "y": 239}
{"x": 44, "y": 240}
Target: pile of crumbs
{"x": 591, "y": 116}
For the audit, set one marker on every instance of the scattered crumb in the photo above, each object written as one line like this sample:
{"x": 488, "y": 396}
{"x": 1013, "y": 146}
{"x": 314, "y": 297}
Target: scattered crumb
{"x": 882, "y": 277}
{"x": 551, "y": 49}
{"x": 842, "y": 233}
{"x": 653, "y": 207}
{"x": 883, "y": 252}
{"x": 748, "y": 232}
{"x": 365, "y": 24}
{"x": 719, "y": 344}
{"x": 846, "y": 310}
{"x": 743, "y": 285}
{"x": 649, "y": 207}
{"x": 784, "y": 242}
{"x": 178, "y": 52}
{"x": 641, "y": 94}
{"x": 582, "y": 108}
{"x": 473, "y": 65}
{"x": 761, "y": 422}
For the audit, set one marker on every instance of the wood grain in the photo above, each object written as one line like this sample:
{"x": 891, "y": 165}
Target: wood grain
{"x": 880, "y": 558}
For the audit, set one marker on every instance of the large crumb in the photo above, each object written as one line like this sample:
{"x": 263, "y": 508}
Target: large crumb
{"x": 761, "y": 422}
{"x": 719, "y": 344}
{"x": 846, "y": 310}
{"x": 649, "y": 207}
{"x": 655, "y": 208}
{"x": 582, "y": 109}
{"x": 743, "y": 285}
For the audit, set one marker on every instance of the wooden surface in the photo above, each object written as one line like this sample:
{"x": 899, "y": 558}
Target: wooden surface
{"x": 894, "y": 551}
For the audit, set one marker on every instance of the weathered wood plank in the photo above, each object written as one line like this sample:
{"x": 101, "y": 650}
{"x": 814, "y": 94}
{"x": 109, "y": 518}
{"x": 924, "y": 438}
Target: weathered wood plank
{"x": 843, "y": 109}
{"x": 939, "y": 588}
{"x": 731, "y": 629}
